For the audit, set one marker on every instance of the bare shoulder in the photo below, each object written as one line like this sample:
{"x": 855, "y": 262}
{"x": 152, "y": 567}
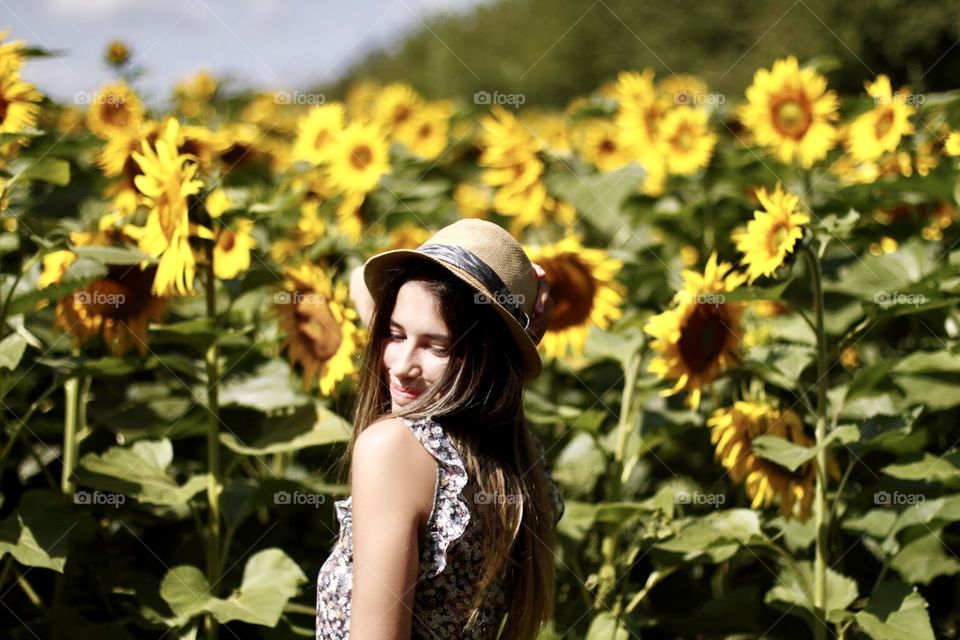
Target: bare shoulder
{"x": 388, "y": 455}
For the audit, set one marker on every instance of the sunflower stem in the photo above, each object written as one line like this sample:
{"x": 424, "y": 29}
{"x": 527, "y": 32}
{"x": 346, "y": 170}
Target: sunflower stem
{"x": 214, "y": 483}
{"x": 821, "y": 515}
{"x": 71, "y": 426}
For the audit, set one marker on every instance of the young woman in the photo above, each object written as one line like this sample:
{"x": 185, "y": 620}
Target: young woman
{"x": 449, "y": 529}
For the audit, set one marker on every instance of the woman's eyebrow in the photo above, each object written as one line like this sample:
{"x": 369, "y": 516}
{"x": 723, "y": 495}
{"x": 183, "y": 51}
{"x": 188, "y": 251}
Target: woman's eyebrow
{"x": 432, "y": 336}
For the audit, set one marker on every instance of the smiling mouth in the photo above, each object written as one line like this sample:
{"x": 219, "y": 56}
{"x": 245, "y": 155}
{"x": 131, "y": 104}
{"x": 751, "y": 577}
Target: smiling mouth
{"x": 403, "y": 393}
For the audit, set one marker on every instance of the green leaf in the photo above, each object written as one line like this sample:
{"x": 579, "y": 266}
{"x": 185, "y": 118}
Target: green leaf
{"x": 37, "y": 533}
{"x": 113, "y": 255}
{"x": 606, "y": 626}
{"x": 11, "y": 350}
{"x": 791, "y": 455}
{"x": 931, "y": 468}
{"x": 580, "y": 465}
{"x": 896, "y": 611}
{"x": 268, "y": 388}
{"x": 51, "y": 170}
{"x": 874, "y": 278}
{"x": 838, "y": 226}
{"x": 923, "y": 559}
{"x": 746, "y": 294}
{"x": 796, "y": 588}
{"x": 81, "y": 273}
{"x": 139, "y": 471}
{"x": 308, "y": 426}
{"x": 935, "y": 393}
{"x": 941, "y": 361}
{"x": 715, "y": 536}
{"x": 598, "y": 197}
{"x": 270, "y": 579}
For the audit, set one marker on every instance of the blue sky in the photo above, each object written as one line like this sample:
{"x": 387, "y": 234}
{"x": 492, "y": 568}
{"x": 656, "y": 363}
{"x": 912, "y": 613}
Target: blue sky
{"x": 274, "y": 44}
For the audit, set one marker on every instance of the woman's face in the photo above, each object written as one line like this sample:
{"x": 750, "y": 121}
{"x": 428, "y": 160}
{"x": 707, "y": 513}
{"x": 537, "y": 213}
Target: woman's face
{"x": 417, "y": 350}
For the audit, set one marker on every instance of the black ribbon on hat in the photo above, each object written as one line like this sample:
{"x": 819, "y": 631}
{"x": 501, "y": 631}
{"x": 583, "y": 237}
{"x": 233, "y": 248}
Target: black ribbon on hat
{"x": 472, "y": 264}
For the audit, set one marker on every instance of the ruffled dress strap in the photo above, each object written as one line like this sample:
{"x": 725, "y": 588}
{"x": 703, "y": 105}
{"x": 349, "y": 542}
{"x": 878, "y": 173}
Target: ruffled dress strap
{"x": 451, "y": 513}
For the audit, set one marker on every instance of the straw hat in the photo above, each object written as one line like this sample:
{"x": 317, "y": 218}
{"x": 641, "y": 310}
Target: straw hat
{"x": 491, "y": 261}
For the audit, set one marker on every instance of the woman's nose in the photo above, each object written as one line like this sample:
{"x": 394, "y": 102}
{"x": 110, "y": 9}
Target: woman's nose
{"x": 409, "y": 364}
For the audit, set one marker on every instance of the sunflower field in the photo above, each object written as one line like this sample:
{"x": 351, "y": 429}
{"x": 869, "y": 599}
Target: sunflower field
{"x": 751, "y": 393}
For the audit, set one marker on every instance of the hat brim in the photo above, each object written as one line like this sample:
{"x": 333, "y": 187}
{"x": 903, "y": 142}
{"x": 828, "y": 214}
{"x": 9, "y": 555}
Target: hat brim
{"x": 374, "y": 273}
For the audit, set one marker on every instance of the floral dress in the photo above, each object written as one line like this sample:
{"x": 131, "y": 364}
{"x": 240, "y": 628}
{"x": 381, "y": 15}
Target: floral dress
{"x": 450, "y": 557}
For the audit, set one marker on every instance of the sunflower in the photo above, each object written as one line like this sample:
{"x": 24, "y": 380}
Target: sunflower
{"x": 425, "y": 133}
{"x": 166, "y": 182}
{"x": 733, "y": 430}
{"x": 601, "y": 146}
{"x": 119, "y": 307}
{"x": 322, "y": 335}
{"x": 513, "y": 167}
{"x": 772, "y": 234}
{"x": 686, "y": 141}
{"x": 395, "y": 104}
{"x": 231, "y": 253}
{"x": 952, "y": 146}
{"x": 407, "y": 236}
{"x": 585, "y": 291}
{"x": 117, "y": 53}
{"x": 18, "y": 100}
{"x": 790, "y": 111}
{"x": 349, "y": 214}
{"x": 683, "y": 89}
{"x": 472, "y": 201}
{"x": 11, "y": 54}
{"x": 880, "y": 130}
{"x": 551, "y": 130}
{"x": 698, "y": 338}
{"x": 310, "y": 228}
{"x": 640, "y": 108}
{"x": 115, "y": 107}
{"x": 316, "y": 132}
{"x": 358, "y": 159}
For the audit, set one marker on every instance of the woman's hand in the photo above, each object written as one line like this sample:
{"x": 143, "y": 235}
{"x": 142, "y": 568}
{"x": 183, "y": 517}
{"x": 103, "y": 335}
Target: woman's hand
{"x": 542, "y": 307}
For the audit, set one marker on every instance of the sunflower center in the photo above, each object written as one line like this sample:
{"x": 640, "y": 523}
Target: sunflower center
{"x": 4, "y": 105}
{"x": 884, "y": 123}
{"x": 123, "y": 294}
{"x": 320, "y": 140}
{"x": 361, "y": 156}
{"x": 400, "y": 114}
{"x": 227, "y": 240}
{"x": 792, "y": 115}
{"x": 703, "y": 337}
{"x": 778, "y": 235}
{"x": 318, "y": 329}
{"x": 683, "y": 138}
{"x": 425, "y": 131}
{"x": 572, "y": 288}
{"x": 114, "y": 112}
{"x": 608, "y": 146}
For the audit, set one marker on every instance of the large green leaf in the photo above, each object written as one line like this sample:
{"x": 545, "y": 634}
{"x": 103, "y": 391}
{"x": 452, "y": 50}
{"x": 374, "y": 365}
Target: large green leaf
{"x": 598, "y": 197}
{"x": 791, "y": 455}
{"x": 794, "y": 591}
{"x": 37, "y": 532}
{"x": 580, "y": 465}
{"x": 876, "y": 278}
{"x": 11, "y": 351}
{"x": 716, "y": 536}
{"x": 308, "y": 426}
{"x": 140, "y": 471}
{"x": 896, "y": 611}
{"x": 269, "y": 388}
{"x": 930, "y": 468}
{"x": 606, "y": 626}
{"x": 925, "y": 558}
{"x": 53, "y": 170}
{"x": 270, "y": 579}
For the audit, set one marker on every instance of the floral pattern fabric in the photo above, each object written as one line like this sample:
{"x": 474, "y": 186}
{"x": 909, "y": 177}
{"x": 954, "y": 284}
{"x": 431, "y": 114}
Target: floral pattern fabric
{"x": 450, "y": 557}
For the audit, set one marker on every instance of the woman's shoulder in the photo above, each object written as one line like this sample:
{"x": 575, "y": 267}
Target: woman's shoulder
{"x": 390, "y": 448}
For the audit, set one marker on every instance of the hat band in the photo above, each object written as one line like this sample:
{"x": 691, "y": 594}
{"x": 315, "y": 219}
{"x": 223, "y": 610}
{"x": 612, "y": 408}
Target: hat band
{"x": 472, "y": 264}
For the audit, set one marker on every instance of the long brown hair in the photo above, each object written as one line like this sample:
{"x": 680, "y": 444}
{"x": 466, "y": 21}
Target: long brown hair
{"x": 479, "y": 401}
